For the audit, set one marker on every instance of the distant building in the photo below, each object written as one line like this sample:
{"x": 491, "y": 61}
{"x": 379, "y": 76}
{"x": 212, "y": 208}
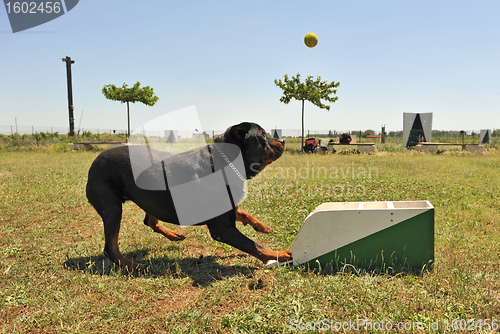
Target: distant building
{"x": 203, "y": 135}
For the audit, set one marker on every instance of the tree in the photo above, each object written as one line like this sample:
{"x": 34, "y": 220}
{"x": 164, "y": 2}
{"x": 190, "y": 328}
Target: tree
{"x": 310, "y": 90}
{"x": 133, "y": 94}
{"x": 368, "y": 133}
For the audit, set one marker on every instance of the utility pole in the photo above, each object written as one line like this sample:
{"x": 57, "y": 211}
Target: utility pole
{"x": 70, "y": 95}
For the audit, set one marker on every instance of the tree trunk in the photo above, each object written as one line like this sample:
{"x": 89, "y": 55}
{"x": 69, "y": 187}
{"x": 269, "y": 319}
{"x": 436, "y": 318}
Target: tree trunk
{"x": 302, "y": 147}
{"x": 128, "y": 116}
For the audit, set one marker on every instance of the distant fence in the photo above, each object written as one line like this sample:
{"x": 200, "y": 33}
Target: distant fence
{"x": 11, "y": 129}
{"x": 23, "y": 129}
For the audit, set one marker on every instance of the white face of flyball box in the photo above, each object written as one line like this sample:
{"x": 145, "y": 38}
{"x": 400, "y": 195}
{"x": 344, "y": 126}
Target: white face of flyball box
{"x": 368, "y": 234}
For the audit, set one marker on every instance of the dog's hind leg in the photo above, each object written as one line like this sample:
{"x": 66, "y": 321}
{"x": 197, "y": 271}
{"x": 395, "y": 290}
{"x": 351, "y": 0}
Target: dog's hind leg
{"x": 109, "y": 206}
{"x": 246, "y": 218}
{"x": 155, "y": 224}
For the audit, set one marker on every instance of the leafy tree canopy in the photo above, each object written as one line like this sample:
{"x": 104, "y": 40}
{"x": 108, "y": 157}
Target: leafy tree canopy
{"x": 130, "y": 94}
{"x": 310, "y": 90}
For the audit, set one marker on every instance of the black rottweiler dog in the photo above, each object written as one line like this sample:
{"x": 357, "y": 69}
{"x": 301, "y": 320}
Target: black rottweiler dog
{"x": 111, "y": 182}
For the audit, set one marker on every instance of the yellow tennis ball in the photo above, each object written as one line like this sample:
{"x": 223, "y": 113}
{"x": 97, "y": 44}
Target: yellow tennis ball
{"x": 311, "y": 40}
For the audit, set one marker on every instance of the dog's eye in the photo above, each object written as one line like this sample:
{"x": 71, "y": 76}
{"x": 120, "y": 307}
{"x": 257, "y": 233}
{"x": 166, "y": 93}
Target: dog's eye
{"x": 262, "y": 141}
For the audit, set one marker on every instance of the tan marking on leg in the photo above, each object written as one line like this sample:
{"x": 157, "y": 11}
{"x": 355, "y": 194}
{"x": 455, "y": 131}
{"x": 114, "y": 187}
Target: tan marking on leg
{"x": 246, "y": 218}
{"x": 172, "y": 235}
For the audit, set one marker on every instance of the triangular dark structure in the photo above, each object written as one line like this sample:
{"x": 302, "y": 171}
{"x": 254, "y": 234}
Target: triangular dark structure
{"x": 416, "y": 133}
{"x": 171, "y": 138}
{"x": 486, "y": 139}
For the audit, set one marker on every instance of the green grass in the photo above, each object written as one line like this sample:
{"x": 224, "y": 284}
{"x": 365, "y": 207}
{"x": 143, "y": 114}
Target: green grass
{"x": 55, "y": 279}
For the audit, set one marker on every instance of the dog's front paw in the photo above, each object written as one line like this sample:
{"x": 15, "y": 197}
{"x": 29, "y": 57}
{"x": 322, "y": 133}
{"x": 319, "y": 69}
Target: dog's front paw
{"x": 281, "y": 256}
{"x": 246, "y": 218}
{"x": 284, "y": 256}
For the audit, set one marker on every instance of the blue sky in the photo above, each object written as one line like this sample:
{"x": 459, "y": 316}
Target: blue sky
{"x": 390, "y": 57}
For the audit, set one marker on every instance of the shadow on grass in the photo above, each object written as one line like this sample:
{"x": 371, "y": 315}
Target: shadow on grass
{"x": 203, "y": 270}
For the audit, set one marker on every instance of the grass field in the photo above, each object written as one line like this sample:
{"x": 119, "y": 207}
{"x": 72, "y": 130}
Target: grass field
{"x": 55, "y": 279}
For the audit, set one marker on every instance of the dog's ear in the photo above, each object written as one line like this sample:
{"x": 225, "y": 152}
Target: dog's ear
{"x": 237, "y": 133}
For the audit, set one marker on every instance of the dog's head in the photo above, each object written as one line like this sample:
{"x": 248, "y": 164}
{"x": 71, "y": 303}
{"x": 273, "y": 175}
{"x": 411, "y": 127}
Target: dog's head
{"x": 258, "y": 150}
